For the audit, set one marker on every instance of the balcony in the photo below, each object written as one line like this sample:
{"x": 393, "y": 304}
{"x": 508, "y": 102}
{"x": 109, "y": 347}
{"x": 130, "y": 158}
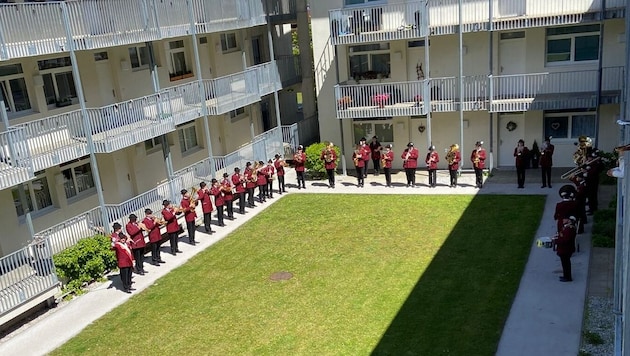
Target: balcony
{"x": 290, "y": 70}
{"x": 378, "y": 23}
{"x": 554, "y": 91}
{"x": 15, "y": 159}
{"x": 381, "y": 100}
{"x": 281, "y": 11}
{"x": 268, "y": 77}
{"x": 32, "y": 29}
{"x": 445, "y": 96}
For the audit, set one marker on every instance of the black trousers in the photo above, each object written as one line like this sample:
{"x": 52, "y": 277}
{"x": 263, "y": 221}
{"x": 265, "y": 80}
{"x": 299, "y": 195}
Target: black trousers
{"x": 546, "y": 176}
{"x": 453, "y": 175}
{"x": 411, "y": 176}
{"x": 138, "y": 255}
{"x": 331, "y": 177}
{"x": 207, "y": 221}
{"x": 281, "y": 185}
{"x": 432, "y": 177}
{"x": 155, "y": 251}
{"x": 220, "y": 215}
{"x": 360, "y": 176}
{"x": 366, "y": 163}
{"x": 270, "y": 189}
{"x": 520, "y": 176}
{"x": 388, "y": 176}
{"x": 241, "y": 202}
{"x": 478, "y": 177}
{"x": 592, "y": 187}
{"x": 565, "y": 260}
{"x": 250, "y": 196}
{"x": 377, "y": 166}
{"x": 125, "y": 277}
{"x": 173, "y": 239}
{"x": 300, "y": 178}
{"x": 190, "y": 226}
{"x": 229, "y": 206}
{"x": 262, "y": 193}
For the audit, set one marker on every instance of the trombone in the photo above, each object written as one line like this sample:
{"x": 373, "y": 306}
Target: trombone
{"x": 579, "y": 169}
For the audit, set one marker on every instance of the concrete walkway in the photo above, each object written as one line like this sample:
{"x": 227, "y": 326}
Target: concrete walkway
{"x": 545, "y": 319}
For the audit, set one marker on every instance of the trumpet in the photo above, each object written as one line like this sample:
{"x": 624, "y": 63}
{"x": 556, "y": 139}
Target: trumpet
{"x": 357, "y": 157}
{"x": 156, "y": 220}
{"x": 407, "y": 156}
{"x": 383, "y": 160}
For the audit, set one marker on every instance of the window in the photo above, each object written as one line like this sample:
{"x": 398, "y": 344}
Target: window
{"x": 77, "y": 180}
{"x": 36, "y": 192}
{"x": 229, "y": 42}
{"x": 383, "y": 129}
{"x": 416, "y": 43}
{"x": 187, "y": 138}
{"x": 139, "y": 57}
{"x": 58, "y": 80}
{"x": 153, "y": 144}
{"x": 13, "y": 88}
{"x": 177, "y": 60}
{"x": 236, "y": 113}
{"x": 569, "y": 125}
{"x": 203, "y": 40}
{"x": 573, "y": 44}
{"x": 101, "y": 56}
{"x": 512, "y": 35}
{"x": 369, "y": 61}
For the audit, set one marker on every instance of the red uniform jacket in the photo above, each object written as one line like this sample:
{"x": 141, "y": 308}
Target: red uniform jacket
{"x": 432, "y": 160}
{"x": 412, "y": 160}
{"x": 236, "y": 180}
{"x": 564, "y": 209}
{"x": 251, "y": 178}
{"x": 358, "y": 159}
{"x": 123, "y": 254}
{"x": 566, "y": 241}
{"x": 481, "y": 155}
{"x": 521, "y": 157}
{"x": 389, "y": 158}
{"x": 270, "y": 171}
{"x": 300, "y": 161}
{"x": 154, "y": 230}
{"x": 206, "y": 202}
{"x": 375, "y": 148}
{"x": 227, "y": 189}
{"x": 218, "y": 197}
{"x": 331, "y": 164}
{"x": 366, "y": 152}
{"x": 546, "y": 156}
{"x": 262, "y": 176}
{"x": 135, "y": 232}
{"x": 114, "y": 237}
{"x": 189, "y": 212}
{"x": 171, "y": 220}
{"x": 279, "y": 167}
{"x": 455, "y": 165}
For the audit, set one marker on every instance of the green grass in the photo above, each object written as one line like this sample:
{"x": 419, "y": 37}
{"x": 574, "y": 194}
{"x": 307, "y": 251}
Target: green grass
{"x": 390, "y": 274}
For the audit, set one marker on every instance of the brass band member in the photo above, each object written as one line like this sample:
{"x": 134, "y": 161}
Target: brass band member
{"x": 376, "y": 149}
{"x": 250, "y": 184}
{"x": 410, "y": 163}
{"x": 359, "y": 164}
{"x": 521, "y": 154}
{"x": 155, "y": 236}
{"x": 228, "y": 195}
{"x": 215, "y": 190}
{"x": 329, "y": 156}
{"x": 190, "y": 215}
{"x": 135, "y": 229}
{"x": 279, "y": 163}
{"x": 120, "y": 245}
{"x": 478, "y": 159}
{"x": 367, "y": 154}
{"x": 546, "y": 161}
{"x": 431, "y": 161}
{"x": 261, "y": 174}
{"x": 565, "y": 246}
{"x": 387, "y": 158}
{"x": 299, "y": 158}
{"x": 172, "y": 227}
{"x": 238, "y": 180}
{"x": 206, "y": 206}
{"x": 270, "y": 171}
{"x": 453, "y": 157}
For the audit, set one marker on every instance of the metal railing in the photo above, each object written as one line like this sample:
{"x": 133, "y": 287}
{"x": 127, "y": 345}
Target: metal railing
{"x": 445, "y": 93}
{"x": 281, "y": 10}
{"x": 232, "y": 91}
{"x": 378, "y": 23}
{"x": 381, "y": 100}
{"x": 16, "y": 165}
{"x": 290, "y": 70}
{"x": 268, "y": 78}
{"x": 32, "y": 29}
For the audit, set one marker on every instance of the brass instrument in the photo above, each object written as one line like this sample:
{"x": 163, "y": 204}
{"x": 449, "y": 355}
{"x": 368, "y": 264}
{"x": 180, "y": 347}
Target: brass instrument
{"x": 194, "y": 197}
{"x": 450, "y": 157}
{"x": 357, "y": 157}
{"x": 156, "y": 220}
{"x": 383, "y": 160}
{"x": 579, "y": 169}
{"x": 407, "y": 156}
{"x": 476, "y": 158}
{"x": 328, "y": 155}
{"x": 298, "y": 158}
{"x": 226, "y": 186}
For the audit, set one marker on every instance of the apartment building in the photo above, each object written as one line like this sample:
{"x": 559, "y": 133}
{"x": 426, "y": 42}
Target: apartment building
{"x": 496, "y": 71}
{"x": 112, "y": 106}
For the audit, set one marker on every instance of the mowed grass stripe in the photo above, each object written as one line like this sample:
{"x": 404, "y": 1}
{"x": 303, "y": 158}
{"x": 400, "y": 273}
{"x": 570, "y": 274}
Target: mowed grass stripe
{"x": 383, "y": 274}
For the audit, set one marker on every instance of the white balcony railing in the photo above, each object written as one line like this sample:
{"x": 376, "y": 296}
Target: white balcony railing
{"x": 232, "y": 91}
{"x": 16, "y": 165}
{"x": 378, "y": 23}
{"x": 445, "y": 93}
{"x": 268, "y": 78}
{"x": 30, "y": 29}
{"x": 281, "y": 10}
{"x": 381, "y": 100}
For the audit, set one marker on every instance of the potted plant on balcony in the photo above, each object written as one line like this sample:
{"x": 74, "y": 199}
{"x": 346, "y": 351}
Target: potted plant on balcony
{"x": 67, "y": 101}
{"x": 418, "y": 99}
{"x": 344, "y": 102}
{"x": 380, "y": 100}
{"x": 180, "y": 75}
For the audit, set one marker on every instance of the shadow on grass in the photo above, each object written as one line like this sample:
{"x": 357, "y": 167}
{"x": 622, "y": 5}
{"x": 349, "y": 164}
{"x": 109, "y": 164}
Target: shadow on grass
{"x": 461, "y": 302}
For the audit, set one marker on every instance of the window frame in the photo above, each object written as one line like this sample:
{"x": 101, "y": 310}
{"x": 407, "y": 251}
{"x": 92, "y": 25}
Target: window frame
{"x": 141, "y": 64}
{"x": 368, "y": 134}
{"x": 5, "y": 87}
{"x": 572, "y": 53}
{"x": 571, "y": 115}
{"x": 171, "y": 52}
{"x": 78, "y": 194}
{"x": 181, "y": 133}
{"x": 152, "y": 145}
{"x": 31, "y": 196}
{"x": 237, "y": 113}
{"x": 365, "y": 3}
{"x": 370, "y": 60}
{"x": 53, "y": 72}
{"x": 224, "y": 40}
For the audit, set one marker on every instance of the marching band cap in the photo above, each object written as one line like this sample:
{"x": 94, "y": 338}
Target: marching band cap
{"x": 410, "y": 144}
{"x": 236, "y": 169}
{"x": 548, "y": 138}
{"x": 276, "y": 156}
{"x": 300, "y": 147}
{"x": 572, "y": 218}
{"x": 388, "y": 145}
{"x": 248, "y": 164}
{"x": 225, "y": 175}
{"x": 133, "y": 217}
{"x": 269, "y": 161}
{"x": 166, "y": 202}
{"x": 362, "y": 139}
{"x": 116, "y": 226}
{"x": 214, "y": 180}
{"x": 261, "y": 162}
{"x": 148, "y": 211}
{"x": 431, "y": 148}
{"x": 479, "y": 143}
{"x": 184, "y": 191}
{"x": 203, "y": 184}
{"x": 521, "y": 141}
{"x": 375, "y": 137}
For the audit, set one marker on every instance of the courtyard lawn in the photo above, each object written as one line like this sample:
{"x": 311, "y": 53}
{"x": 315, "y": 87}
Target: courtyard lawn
{"x": 388, "y": 274}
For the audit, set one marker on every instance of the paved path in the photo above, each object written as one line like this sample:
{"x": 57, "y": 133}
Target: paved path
{"x": 545, "y": 319}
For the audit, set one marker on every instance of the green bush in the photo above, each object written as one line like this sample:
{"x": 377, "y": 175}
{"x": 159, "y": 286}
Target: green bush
{"x": 314, "y": 163}
{"x": 603, "y": 241}
{"x": 85, "y": 262}
{"x": 604, "y": 225}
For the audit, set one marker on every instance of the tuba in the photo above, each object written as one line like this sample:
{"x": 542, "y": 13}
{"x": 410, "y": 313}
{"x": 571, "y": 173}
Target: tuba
{"x": 328, "y": 157}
